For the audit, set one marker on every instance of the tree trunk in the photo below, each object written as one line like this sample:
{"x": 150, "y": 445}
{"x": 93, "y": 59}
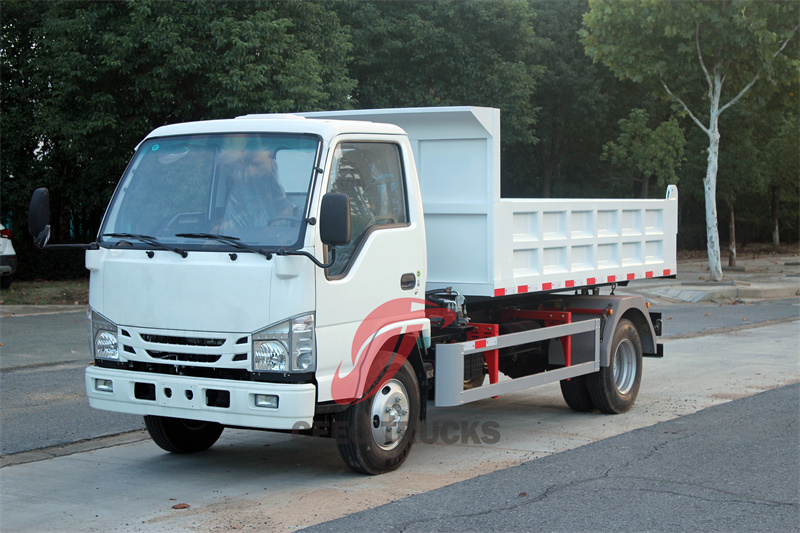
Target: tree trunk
{"x": 776, "y": 238}
{"x": 732, "y": 231}
{"x": 710, "y": 185}
{"x": 547, "y": 180}
{"x": 712, "y": 230}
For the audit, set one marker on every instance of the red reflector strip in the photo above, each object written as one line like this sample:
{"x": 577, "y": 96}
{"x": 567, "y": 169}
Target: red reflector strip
{"x": 547, "y": 286}
{"x": 522, "y": 288}
{"x": 569, "y": 283}
{"x": 631, "y": 276}
{"x": 667, "y": 272}
{"x": 648, "y": 274}
{"x": 591, "y": 281}
{"x": 480, "y": 344}
{"x": 499, "y": 292}
{"x": 612, "y": 279}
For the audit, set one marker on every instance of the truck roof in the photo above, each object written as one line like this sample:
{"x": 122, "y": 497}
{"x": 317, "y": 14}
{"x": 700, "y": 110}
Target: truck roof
{"x": 276, "y": 123}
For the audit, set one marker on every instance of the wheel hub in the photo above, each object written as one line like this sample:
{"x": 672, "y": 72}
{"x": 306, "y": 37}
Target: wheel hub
{"x": 625, "y": 366}
{"x": 389, "y": 414}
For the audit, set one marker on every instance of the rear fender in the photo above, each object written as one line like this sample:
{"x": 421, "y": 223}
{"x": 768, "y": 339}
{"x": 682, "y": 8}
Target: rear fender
{"x": 633, "y": 308}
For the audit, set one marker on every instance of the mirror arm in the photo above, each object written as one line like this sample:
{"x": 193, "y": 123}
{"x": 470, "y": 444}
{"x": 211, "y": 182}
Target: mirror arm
{"x": 90, "y": 246}
{"x": 313, "y": 259}
{"x": 43, "y": 238}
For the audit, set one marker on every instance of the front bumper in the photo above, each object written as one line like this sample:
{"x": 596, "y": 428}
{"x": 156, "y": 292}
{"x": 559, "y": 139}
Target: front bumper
{"x": 8, "y": 264}
{"x": 145, "y": 393}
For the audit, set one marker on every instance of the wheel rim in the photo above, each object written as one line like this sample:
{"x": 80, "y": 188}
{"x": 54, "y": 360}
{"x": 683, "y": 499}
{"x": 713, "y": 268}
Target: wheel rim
{"x": 389, "y": 415}
{"x": 625, "y": 366}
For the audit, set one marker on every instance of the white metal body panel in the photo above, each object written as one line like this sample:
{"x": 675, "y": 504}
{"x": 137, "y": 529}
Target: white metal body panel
{"x": 373, "y": 280}
{"x": 295, "y": 401}
{"x": 483, "y": 245}
{"x": 203, "y": 292}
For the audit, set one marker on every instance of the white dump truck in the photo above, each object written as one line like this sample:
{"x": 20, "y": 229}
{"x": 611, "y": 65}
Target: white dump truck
{"x": 330, "y": 273}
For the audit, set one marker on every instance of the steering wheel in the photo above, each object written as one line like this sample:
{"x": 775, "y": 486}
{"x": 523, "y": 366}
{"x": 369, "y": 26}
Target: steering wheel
{"x": 292, "y": 220}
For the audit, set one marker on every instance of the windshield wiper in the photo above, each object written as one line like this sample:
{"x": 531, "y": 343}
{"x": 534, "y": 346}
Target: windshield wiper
{"x": 227, "y": 239}
{"x": 152, "y": 241}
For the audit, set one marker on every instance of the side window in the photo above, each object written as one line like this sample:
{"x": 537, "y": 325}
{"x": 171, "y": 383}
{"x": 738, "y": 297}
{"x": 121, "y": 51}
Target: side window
{"x": 371, "y": 174}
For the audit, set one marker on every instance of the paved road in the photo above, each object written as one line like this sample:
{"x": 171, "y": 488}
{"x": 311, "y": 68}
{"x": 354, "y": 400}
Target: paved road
{"x": 733, "y": 467}
{"x": 43, "y": 357}
{"x": 272, "y": 482}
{"x": 42, "y": 394}
{"x": 688, "y": 320}
{"x": 52, "y": 334}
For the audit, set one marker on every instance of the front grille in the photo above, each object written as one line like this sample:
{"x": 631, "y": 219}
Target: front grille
{"x": 182, "y": 341}
{"x": 184, "y": 357}
{"x": 186, "y": 348}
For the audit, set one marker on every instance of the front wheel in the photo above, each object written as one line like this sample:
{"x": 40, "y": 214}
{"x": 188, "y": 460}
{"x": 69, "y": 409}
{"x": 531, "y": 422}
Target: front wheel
{"x": 614, "y": 388}
{"x": 177, "y": 435}
{"x": 375, "y": 435}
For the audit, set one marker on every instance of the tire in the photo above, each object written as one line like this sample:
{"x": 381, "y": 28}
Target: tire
{"x": 614, "y": 388}
{"x": 177, "y": 435}
{"x": 576, "y": 394}
{"x": 375, "y": 436}
{"x": 5, "y": 282}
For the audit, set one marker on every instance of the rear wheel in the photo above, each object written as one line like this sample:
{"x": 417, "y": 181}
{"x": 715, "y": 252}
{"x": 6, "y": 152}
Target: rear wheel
{"x": 375, "y": 435}
{"x": 576, "y": 394}
{"x": 177, "y": 435}
{"x": 614, "y": 388}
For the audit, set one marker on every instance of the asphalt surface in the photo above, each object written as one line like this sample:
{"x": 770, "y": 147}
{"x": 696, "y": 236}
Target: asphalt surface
{"x": 701, "y": 472}
{"x": 43, "y": 356}
{"x": 704, "y": 318}
{"x": 43, "y": 335}
{"x": 47, "y": 406}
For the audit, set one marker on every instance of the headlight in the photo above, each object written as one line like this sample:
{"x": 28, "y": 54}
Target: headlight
{"x": 104, "y": 338}
{"x": 286, "y": 347}
{"x": 270, "y": 355}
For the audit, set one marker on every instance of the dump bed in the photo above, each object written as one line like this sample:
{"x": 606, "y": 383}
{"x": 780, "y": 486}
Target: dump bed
{"x": 483, "y": 245}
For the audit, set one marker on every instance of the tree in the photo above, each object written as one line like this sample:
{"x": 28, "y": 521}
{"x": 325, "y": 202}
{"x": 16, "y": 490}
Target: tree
{"x": 84, "y": 81}
{"x": 579, "y": 103}
{"x": 784, "y": 169}
{"x": 409, "y": 54}
{"x": 694, "y": 50}
{"x": 641, "y": 153}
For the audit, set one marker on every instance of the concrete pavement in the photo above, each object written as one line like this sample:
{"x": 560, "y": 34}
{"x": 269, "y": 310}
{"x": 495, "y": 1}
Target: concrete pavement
{"x": 272, "y": 482}
{"x": 767, "y": 277}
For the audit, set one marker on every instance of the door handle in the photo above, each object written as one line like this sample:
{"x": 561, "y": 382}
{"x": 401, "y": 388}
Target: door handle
{"x": 408, "y": 281}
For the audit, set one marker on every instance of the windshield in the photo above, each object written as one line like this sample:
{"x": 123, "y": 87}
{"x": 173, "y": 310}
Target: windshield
{"x": 253, "y": 187}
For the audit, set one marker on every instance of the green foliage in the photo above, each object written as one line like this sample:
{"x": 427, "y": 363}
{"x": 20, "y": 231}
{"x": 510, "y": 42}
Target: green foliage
{"x": 679, "y": 45}
{"x": 409, "y": 54}
{"x": 84, "y": 81}
{"x": 652, "y": 39}
{"x": 641, "y": 153}
{"x": 579, "y": 103}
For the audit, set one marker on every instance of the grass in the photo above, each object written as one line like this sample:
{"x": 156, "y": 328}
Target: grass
{"x": 66, "y": 292}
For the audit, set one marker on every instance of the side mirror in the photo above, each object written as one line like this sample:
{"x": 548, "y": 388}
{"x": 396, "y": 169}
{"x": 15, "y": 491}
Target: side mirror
{"x": 334, "y": 219}
{"x": 39, "y": 217}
